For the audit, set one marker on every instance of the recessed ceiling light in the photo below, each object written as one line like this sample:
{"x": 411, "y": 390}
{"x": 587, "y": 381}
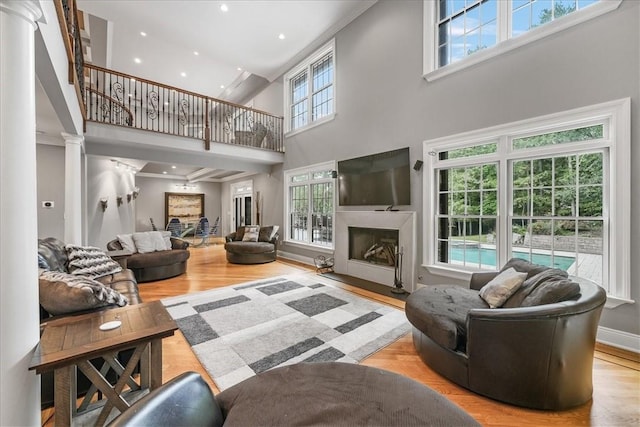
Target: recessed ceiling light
{"x": 143, "y": 34}
{"x": 164, "y": 172}
{"x": 224, "y": 7}
{"x": 196, "y": 53}
{"x": 281, "y": 36}
{"x": 173, "y": 166}
{"x": 239, "y": 68}
{"x": 183, "y": 74}
{"x": 137, "y": 60}
{"x": 221, "y": 86}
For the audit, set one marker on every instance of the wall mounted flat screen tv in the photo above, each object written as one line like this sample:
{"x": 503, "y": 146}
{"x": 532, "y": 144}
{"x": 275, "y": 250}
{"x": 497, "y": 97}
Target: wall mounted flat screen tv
{"x": 376, "y": 179}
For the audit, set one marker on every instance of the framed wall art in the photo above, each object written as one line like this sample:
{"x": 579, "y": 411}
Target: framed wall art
{"x": 187, "y": 207}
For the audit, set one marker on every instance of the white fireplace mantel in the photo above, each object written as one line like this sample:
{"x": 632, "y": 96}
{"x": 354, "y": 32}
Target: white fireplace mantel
{"x": 403, "y": 221}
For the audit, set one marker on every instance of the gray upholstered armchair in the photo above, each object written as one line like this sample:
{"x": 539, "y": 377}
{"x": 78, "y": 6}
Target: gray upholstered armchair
{"x": 258, "y": 249}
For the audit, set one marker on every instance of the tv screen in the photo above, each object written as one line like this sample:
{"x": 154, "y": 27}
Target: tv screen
{"x": 377, "y": 179}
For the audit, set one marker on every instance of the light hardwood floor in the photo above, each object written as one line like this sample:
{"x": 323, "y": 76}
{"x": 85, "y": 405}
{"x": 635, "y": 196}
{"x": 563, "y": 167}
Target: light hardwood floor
{"x": 616, "y": 397}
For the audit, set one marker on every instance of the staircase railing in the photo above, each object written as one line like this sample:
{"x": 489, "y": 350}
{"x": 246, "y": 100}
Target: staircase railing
{"x": 124, "y": 100}
{"x": 68, "y": 17}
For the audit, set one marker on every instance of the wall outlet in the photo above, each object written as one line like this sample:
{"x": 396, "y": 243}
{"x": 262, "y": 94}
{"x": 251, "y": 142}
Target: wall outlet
{"x": 48, "y": 204}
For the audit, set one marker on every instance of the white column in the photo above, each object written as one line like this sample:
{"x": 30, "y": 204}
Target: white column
{"x": 19, "y": 313}
{"x": 73, "y": 188}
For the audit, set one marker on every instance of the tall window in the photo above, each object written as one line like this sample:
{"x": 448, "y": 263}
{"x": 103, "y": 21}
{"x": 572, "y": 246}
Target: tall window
{"x": 529, "y": 14}
{"x": 457, "y": 29}
{"x": 464, "y": 28}
{"x": 553, "y": 196}
{"x": 310, "y": 205}
{"x": 309, "y": 90}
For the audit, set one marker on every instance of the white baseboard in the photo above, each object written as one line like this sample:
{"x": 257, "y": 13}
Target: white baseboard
{"x": 620, "y": 339}
{"x": 296, "y": 257}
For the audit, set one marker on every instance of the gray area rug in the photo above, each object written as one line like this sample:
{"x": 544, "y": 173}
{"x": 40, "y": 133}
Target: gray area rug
{"x": 245, "y": 329}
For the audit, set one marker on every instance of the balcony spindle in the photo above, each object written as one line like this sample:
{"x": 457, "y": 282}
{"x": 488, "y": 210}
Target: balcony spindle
{"x": 165, "y": 109}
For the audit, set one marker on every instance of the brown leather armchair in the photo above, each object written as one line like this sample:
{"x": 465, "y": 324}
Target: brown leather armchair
{"x": 538, "y": 357}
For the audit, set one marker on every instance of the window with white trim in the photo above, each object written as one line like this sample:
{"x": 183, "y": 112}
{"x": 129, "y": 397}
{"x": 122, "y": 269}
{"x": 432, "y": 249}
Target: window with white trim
{"x": 552, "y": 190}
{"x": 465, "y": 32}
{"x": 310, "y": 207}
{"x": 310, "y": 90}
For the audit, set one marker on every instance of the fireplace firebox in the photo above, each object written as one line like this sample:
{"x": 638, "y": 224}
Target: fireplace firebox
{"x": 373, "y": 245}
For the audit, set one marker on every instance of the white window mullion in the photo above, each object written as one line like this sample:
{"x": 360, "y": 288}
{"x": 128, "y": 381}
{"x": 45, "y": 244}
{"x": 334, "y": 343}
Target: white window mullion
{"x": 504, "y": 25}
{"x": 505, "y": 205}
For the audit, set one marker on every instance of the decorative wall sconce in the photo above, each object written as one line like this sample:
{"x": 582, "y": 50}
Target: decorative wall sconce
{"x": 119, "y": 200}
{"x": 129, "y": 198}
{"x": 135, "y": 193}
{"x": 103, "y": 203}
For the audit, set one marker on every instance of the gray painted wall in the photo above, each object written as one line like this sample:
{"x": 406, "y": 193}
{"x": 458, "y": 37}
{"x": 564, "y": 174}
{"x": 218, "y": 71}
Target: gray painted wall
{"x": 104, "y": 180}
{"x": 151, "y": 201}
{"x": 271, "y": 99}
{"x": 384, "y": 103}
{"x": 270, "y": 188}
{"x": 50, "y": 169}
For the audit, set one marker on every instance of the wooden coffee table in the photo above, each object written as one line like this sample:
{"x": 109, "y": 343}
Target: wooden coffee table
{"x": 67, "y": 344}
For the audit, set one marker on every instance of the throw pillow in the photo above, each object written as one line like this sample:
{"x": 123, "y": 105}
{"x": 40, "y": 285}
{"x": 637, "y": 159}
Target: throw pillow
{"x": 158, "y": 240}
{"x": 498, "y": 290}
{"x": 552, "y": 291}
{"x": 127, "y": 243}
{"x": 53, "y": 252}
{"x": 144, "y": 241}
{"x": 42, "y": 262}
{"x": 166, "y": 237}
{"x": 62, "y": 293}
{"x": 251, "y": 233}
{"x": 239, "y": 233}
{"x": 90, "y": 261}
{"x": 531, "y": 284}
{"x": 267, "y": 233}
{"x": 524, "y": 266}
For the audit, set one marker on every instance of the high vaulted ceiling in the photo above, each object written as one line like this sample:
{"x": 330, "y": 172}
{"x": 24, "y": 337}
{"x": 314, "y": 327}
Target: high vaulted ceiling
{"x": 245, "y": 37}
{"x": 198, "y": 46}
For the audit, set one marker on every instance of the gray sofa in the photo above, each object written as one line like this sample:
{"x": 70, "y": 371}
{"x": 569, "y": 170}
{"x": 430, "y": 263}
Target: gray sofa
{"x": 535, "y": 351}
{"x": 158, "y": 265}
{"x": 264, "y": 250}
